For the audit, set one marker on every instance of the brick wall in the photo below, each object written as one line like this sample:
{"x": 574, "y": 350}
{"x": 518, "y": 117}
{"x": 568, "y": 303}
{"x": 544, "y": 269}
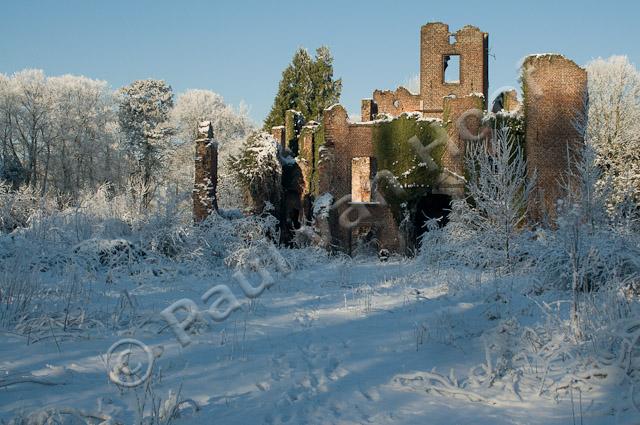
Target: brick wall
{"x": 510, "y": 101}
{"x": 343, "y": 142}
{"x": 363, "y": 170}
{"x": 462, "y": 119}
{"x": 555, "y": 93}
{"x": 396, "y": 102}
{"x": 368, "y": 110}
{"x": 347, "y": 141}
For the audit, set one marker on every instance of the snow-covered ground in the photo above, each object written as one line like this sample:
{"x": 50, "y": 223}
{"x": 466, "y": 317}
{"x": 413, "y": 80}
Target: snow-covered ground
{"x": 335, "y": 341}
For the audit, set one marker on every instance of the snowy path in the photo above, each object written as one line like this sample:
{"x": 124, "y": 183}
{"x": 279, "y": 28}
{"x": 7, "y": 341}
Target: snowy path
{"x": 331, "y": 344}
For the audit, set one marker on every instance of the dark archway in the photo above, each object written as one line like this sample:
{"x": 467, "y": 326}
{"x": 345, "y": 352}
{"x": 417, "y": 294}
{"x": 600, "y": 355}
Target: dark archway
{"x": 429, "y": 207}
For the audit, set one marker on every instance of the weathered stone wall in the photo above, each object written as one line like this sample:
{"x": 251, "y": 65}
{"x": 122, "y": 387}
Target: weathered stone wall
{"x": 343, "y": 142}
{"x": 472, "y": 46}
{"x": 297, "y": 182}
{"x": 463, "y": 121}
{"x": 347, "y": 141}
{"x": 506, "y": 101}
{"x": 339, "y": 157}
{"x": 206, "y": 173}
{"x": 306, "y": 143}
{"x": 555, "y": 90}
{"x": 396, "y": 102}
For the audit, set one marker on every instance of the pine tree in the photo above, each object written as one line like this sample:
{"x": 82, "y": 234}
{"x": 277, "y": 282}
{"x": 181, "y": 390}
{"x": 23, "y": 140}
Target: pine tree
{"x": 307, "y": 85}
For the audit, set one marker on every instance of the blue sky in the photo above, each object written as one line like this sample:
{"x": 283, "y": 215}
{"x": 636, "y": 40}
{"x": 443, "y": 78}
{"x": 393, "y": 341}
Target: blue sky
{"x": 239, "y": 48}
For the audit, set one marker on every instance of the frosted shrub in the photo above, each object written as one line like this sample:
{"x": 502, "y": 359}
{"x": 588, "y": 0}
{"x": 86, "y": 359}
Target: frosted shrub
{"x": 15, "y": 207}
{"x": 19, "y": 292}
{"x": 499, "y": 188}
{"x": 258, "y": 170}
{"x": 589, "y": 247}
{"x": 486, "y": 229}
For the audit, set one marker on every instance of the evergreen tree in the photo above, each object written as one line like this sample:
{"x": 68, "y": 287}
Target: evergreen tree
{"x": 307, "y": 85}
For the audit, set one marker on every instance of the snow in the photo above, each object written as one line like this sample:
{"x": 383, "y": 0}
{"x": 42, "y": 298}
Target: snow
{"x": 490, "y": 320}
{"x": 203, "y": 126}
{"x": 322, "y": 205}
{"x": 544, "y": 55}
{"x": 342, "y": 341}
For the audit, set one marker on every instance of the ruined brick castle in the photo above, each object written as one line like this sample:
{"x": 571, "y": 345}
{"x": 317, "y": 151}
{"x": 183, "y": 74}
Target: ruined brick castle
{"x": 378, "y": 180}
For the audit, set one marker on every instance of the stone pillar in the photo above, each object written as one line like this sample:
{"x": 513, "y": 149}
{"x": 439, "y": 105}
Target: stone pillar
{"x": 206, "y": 173}
{"x": 555, "y": 90}
{"x": 279, "y": 133}
{"x": 368, "y": 110}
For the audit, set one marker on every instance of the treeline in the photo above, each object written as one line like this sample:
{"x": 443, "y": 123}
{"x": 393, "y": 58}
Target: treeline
{"x": 68, "y": 134}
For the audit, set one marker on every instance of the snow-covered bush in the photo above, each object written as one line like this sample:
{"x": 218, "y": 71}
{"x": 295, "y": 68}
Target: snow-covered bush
{"x": 16, "y": 206}
{"x": 589, "y": 247}
{"x": 110, "y": 253}
{"x": 258, "y": 170}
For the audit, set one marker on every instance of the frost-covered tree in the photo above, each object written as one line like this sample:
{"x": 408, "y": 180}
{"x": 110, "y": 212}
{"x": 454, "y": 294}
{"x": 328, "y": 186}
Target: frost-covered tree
{"x": 498, "y": 189}
{"x": 85, "y": 154}
{"x": 258, "y": 170}
{"x": 307, "y": 85}
{"x": 193, "y": 106}
{"x": 613, "y": 125}
{"x": 143, "y": 116}
{"x": 12, "y": 168}
{"x": 31, "y": 120}
{"x": 230, "y": 128}
{"x": 58, "y": 133}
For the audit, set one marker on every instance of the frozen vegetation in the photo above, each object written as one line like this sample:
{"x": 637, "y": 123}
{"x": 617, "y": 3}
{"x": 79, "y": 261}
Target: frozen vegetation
{"x": 493, "y": 320}
{"x": 459, "y": 331}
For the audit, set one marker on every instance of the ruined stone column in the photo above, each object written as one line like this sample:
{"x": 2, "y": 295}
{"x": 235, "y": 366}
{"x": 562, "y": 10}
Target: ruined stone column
{"x": 368, "y": 110}
{"x": 206, "y": 173}
{"x": 555, "y": 90}
{"x": 279, "y": 133}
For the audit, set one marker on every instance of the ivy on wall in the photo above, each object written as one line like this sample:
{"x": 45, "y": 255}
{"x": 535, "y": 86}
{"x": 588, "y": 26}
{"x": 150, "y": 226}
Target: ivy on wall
{"x": 318, "y": 141}
{"x": 411, "y": 174}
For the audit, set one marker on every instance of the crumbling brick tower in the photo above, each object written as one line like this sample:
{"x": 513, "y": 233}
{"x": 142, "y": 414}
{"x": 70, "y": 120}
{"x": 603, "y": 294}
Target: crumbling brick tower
{"x": 206, "y": 173}
{"x": 439, "y": 50}
{"x": 555, "y": 91}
